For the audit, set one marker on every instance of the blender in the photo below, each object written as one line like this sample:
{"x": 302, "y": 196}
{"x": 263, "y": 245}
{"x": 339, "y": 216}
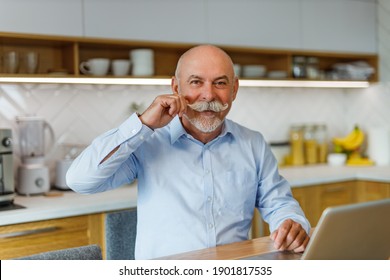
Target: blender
{"x": 33, "y": 174}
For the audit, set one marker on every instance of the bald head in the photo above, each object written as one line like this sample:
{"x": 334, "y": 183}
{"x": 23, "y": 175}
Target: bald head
{"x": 202, "y": 54}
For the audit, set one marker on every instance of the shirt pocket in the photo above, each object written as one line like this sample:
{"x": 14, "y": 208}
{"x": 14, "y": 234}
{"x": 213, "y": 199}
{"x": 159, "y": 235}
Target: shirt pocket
{"x": 239, "y": 192}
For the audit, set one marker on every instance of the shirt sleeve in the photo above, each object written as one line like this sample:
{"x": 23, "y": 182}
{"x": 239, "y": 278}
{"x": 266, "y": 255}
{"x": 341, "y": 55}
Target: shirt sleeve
{"x": 275, "y": 201}
{"x": 88, "y": 175}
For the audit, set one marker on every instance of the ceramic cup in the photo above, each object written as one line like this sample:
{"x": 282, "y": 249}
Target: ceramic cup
{"x": 95, "y": 66}
{"x": 120, "y": 67}
{"x": 143, "y": 62}
{"x": 11, "y": 62}
{"x": 32, "y": 61}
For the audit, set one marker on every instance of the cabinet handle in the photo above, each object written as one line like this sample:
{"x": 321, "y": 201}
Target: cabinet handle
{"x": 28, "y": 232}
{"x": 333, "y": 190}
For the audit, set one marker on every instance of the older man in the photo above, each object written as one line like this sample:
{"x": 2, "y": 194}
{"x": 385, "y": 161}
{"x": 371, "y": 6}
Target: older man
{"x": 200, "y": 176}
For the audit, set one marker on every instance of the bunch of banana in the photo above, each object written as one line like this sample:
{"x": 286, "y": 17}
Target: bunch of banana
{"x": 355, "y": 159}
{"x": 359, "y": 161}
{"x": 350, "y": 142}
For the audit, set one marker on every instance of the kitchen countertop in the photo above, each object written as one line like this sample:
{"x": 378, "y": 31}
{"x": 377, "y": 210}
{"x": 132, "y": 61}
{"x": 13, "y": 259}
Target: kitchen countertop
{"x": 301, "y": 176}
{"x": 70, "y": 203}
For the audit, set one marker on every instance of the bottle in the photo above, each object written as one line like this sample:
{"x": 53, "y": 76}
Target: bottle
{"x": 297, "y": 145}
{"x": 299, "y": 67}
{"x": 322, "y": 142}
{"x": 310, "y": 144}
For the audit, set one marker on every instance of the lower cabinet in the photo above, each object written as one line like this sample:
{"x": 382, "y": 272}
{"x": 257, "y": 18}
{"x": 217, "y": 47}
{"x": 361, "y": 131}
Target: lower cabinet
{"x": 315, "y": 199}
{"x": 35, "y": 237}
{"x": 368, "y": 191}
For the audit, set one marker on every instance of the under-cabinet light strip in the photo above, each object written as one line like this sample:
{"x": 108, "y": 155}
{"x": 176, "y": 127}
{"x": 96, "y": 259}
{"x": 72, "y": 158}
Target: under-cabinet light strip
{"x": 167, "y": 81}
{"x": 87, "y": 81}
{"x": 305, "y": 84}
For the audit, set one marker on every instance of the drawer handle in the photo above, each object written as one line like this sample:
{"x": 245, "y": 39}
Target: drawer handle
{"x": 333, "y": 190}
{"x": 28, "y": 232}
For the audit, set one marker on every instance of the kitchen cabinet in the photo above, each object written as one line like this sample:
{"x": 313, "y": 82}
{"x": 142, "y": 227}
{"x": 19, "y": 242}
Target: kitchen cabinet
{"x": 351, "y": 26}
{"x": 42, "y": 17}
{"x": 368, "y": 190}
{"x": 342, "y": 26}
{"x": 35, "y": 237}
{"x": 63, "y": 54}
{"x": 168, "y": 21}
{"x": 266, "y": 24}
{"x": 286, "y": 24}
{"x": 316, "y": 198}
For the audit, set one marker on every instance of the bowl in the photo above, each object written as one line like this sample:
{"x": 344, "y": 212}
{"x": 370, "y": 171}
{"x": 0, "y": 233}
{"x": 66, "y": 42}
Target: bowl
{"x": 254, "y": 71}
{"x": 337, "y": 159}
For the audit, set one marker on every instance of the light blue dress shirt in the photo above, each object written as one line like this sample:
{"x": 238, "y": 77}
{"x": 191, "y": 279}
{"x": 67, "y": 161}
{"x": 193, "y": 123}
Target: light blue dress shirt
{"x": 190, "y": 195}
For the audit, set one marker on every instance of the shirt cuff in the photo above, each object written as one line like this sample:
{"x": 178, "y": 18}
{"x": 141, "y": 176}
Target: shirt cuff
{"x": 134, "y": 127}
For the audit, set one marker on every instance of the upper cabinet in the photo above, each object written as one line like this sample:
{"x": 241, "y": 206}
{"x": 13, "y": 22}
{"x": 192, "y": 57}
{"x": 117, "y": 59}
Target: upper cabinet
{"x": 331, "y": 25}
{"x": 319, "y": 25}
{"x": 168, "y": 21}
{"x": 268, "y": 24}
{"x": 54, "y": 17}
{"x": 339, "y": 25}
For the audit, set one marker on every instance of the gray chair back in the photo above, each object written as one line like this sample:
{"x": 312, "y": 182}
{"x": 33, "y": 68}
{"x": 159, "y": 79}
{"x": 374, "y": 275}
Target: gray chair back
{"x": 121, "y": 230}
{"x": 89, "y": 252}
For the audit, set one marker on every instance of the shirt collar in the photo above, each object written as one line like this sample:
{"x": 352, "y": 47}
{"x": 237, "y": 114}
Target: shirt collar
{"x": 177, "y": 130}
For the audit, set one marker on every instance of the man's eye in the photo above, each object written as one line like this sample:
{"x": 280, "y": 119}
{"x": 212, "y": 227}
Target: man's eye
{"x": 220, "y": 84}
{"x": 195, "y": 82}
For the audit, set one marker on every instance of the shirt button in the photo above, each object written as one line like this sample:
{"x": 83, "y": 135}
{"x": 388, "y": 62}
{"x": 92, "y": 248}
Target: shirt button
{"x": 141, "y": 137}
{"x": 207, "y": 171}
{"x": 209, "y": 198}
{"x": 134, "y": 131}
{"x": 211, "y": 226}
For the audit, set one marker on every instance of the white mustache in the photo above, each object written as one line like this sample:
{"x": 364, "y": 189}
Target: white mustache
{"x": 214, "y": 106}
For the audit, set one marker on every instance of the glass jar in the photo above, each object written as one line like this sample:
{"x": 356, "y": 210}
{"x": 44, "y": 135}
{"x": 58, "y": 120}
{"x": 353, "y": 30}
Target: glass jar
{"x": 297, "y": 145}
{"x": 321, "y": 135}
{"x": 310, "y": 144}
{"x": 281, "y": 151}
{"x": 299, "y": 67}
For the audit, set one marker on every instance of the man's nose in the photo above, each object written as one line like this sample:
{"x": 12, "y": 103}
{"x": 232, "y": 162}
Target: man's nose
{"x": 207, "y": 92}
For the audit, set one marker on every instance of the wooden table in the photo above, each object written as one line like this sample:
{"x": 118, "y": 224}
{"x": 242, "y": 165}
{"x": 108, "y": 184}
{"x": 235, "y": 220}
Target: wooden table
{"x": 231, "y": 251}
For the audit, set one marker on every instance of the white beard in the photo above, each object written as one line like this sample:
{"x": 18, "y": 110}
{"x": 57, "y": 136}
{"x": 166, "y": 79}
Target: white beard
{"x": 205, "y": 125}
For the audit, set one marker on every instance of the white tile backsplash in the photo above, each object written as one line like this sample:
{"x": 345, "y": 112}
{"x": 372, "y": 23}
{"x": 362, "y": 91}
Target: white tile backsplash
{"x": 273, "y": 110}
{"x": 80, "y": 113}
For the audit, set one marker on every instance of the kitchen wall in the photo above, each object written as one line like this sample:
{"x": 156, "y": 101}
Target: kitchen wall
{"x": 78, "y": 113}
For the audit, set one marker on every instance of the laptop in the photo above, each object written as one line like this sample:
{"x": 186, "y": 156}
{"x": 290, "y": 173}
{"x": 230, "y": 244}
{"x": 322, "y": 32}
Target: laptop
{"x": 358, "y": 231}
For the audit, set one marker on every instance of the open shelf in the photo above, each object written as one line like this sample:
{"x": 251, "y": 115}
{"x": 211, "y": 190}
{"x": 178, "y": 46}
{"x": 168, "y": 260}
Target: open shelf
{"x": 60, "y": 56}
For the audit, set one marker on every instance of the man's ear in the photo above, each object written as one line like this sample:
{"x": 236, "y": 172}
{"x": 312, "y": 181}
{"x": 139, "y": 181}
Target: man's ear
{"x": 175, "y": 85}
{"x": 235, "y": 88}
